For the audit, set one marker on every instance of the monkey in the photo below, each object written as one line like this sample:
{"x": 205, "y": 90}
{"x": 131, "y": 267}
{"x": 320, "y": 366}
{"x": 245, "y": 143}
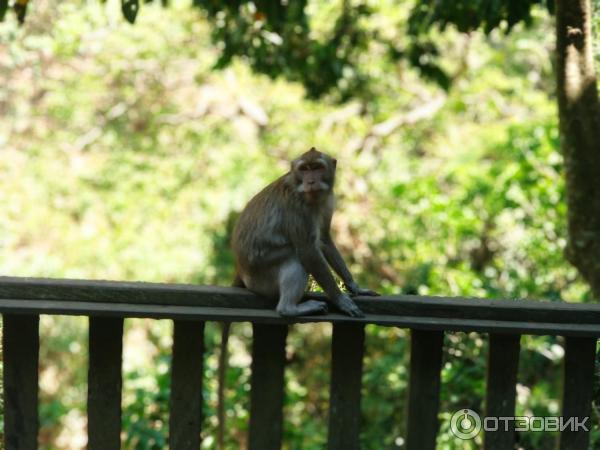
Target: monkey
{"x": 283, "y": 235}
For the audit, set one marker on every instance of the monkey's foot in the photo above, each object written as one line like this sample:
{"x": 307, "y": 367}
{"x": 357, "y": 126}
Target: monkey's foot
{"x": 347, "y": 306}
{"x": 309, "y": 307}
{"x": 313, "y": 307}
{"x": 355, "y": 290}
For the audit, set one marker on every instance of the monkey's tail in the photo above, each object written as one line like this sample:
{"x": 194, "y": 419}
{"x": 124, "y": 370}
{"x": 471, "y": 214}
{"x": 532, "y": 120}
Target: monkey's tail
{"x": 237, "y": 281}
{"x": 223, "y": 357}
{"x": 223, "y": 360}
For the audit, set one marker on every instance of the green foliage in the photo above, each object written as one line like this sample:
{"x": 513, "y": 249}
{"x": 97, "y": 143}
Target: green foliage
{"x": 145, "y": 412}
{"x": 595, "y": 29}
{"x": 276, "y": 39}
{"x": 3, "y": 8}
{"x": 126, "y": 156}
{"x": 281, "y": 38}
{"x": 469, "y": 15}
{"x": 130, "y": 9}
{"x": 62, "y": 389}
{"x": 466, "y": 16}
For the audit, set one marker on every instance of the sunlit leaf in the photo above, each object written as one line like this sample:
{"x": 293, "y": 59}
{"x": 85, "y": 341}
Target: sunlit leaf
{"x": 21, "y": 10}
{"x": 130, "y": 9}
{"x": 3, "y": 8}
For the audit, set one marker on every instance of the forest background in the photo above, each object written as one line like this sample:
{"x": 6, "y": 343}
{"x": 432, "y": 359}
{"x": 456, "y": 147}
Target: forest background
{"x": 126, "y": 153}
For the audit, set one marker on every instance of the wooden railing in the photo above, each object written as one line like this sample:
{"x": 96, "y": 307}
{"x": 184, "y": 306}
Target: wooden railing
{"x": 107, "y": 303}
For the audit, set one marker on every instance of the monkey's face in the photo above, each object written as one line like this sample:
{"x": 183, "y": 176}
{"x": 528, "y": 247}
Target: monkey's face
{"x": 314, "y": 174}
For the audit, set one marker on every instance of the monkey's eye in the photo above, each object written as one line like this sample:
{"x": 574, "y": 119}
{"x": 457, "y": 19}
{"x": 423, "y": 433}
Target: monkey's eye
{"x": 303, "y": 168}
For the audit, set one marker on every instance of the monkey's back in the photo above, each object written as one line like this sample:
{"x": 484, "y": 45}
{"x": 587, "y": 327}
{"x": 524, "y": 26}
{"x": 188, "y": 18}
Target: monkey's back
{"x": 260, "y": 229}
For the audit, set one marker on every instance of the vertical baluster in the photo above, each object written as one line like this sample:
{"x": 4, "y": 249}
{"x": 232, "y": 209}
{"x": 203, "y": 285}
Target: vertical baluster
{"x": 424, "y": 389}
{"x": 104, "y": 383}
{"x": 20, "y": 341}
{"x": 502, "y": 367}
{"x": 266, "y": 398}
{"x": 347, "y": 351}
{"x": 186, "y": 385}
{"x": 578, "y": 380}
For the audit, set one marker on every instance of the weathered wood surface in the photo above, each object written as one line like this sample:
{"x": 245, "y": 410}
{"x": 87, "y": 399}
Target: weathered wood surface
{"x": 578, "y": 381}
{"x": 266, "y": 397}
{"x": 347, "y": 349}
{"x": 127, "y": 299}
{"x": 501, "y": 389}
{"x": 424, "y": 389}
{"x": 104, "y": 383}
{"x": 20, "y": 341}
{"x": 185, "y": 403}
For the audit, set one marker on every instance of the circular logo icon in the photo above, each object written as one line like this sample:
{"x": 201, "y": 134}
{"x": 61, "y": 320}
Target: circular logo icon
{"x": 465, "y": 424}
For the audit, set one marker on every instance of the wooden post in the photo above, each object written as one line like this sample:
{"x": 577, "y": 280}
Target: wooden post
{"x": 424, "y": 389}
{"x": 104, "y": 383}
{"x": 266, "y": 397}
{"x": 578, "y": 380}
{"x": 185, "y": 404}
{"x": 21, "y": 343}
{"x": 502, "y": 367}
{"x": 345, "y": 388}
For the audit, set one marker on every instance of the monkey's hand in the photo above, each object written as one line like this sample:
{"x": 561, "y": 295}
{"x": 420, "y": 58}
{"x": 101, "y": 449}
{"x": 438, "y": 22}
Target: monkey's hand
{"x": 347, "y": 306}
{"x": 355, "y": 290}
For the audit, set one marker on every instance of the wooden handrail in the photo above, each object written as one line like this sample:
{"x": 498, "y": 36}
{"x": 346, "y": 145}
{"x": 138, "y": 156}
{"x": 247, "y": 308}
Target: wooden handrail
{"x": 175, "y": 301}
{"x": 106, "y": 303}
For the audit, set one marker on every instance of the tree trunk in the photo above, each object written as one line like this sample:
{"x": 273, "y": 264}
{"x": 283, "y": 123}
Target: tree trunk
{"x": 579, "y": 113}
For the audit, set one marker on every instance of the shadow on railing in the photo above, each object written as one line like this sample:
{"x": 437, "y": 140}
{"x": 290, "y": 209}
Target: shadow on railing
{"x": 107, "y": 303}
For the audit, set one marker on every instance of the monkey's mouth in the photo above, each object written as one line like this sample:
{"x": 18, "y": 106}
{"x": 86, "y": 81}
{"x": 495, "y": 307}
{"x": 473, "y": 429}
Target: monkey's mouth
{"x": 312, "y": 192}
{"x": 315, "y": 188}
{"x": 313, "y": 195}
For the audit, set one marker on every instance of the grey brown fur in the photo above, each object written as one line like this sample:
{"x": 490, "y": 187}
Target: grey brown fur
{"x": 283, "y": 235}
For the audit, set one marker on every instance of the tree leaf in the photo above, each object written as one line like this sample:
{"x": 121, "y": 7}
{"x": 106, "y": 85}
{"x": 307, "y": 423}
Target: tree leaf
{"x": 130, "y": 9}
{"x": 3, "y": 8}
{"x": 20, "y": 7}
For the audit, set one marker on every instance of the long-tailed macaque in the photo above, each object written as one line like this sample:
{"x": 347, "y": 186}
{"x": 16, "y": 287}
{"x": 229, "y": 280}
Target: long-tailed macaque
{"x": 283, "y": 235}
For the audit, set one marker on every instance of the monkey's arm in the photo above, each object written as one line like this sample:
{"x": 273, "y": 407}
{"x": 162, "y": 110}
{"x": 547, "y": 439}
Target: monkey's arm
{"x": 314, "y": 262}
{"x": 335, "y": 260}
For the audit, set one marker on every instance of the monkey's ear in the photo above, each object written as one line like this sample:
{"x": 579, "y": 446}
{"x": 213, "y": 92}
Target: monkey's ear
{"x": 334, "y": 163}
